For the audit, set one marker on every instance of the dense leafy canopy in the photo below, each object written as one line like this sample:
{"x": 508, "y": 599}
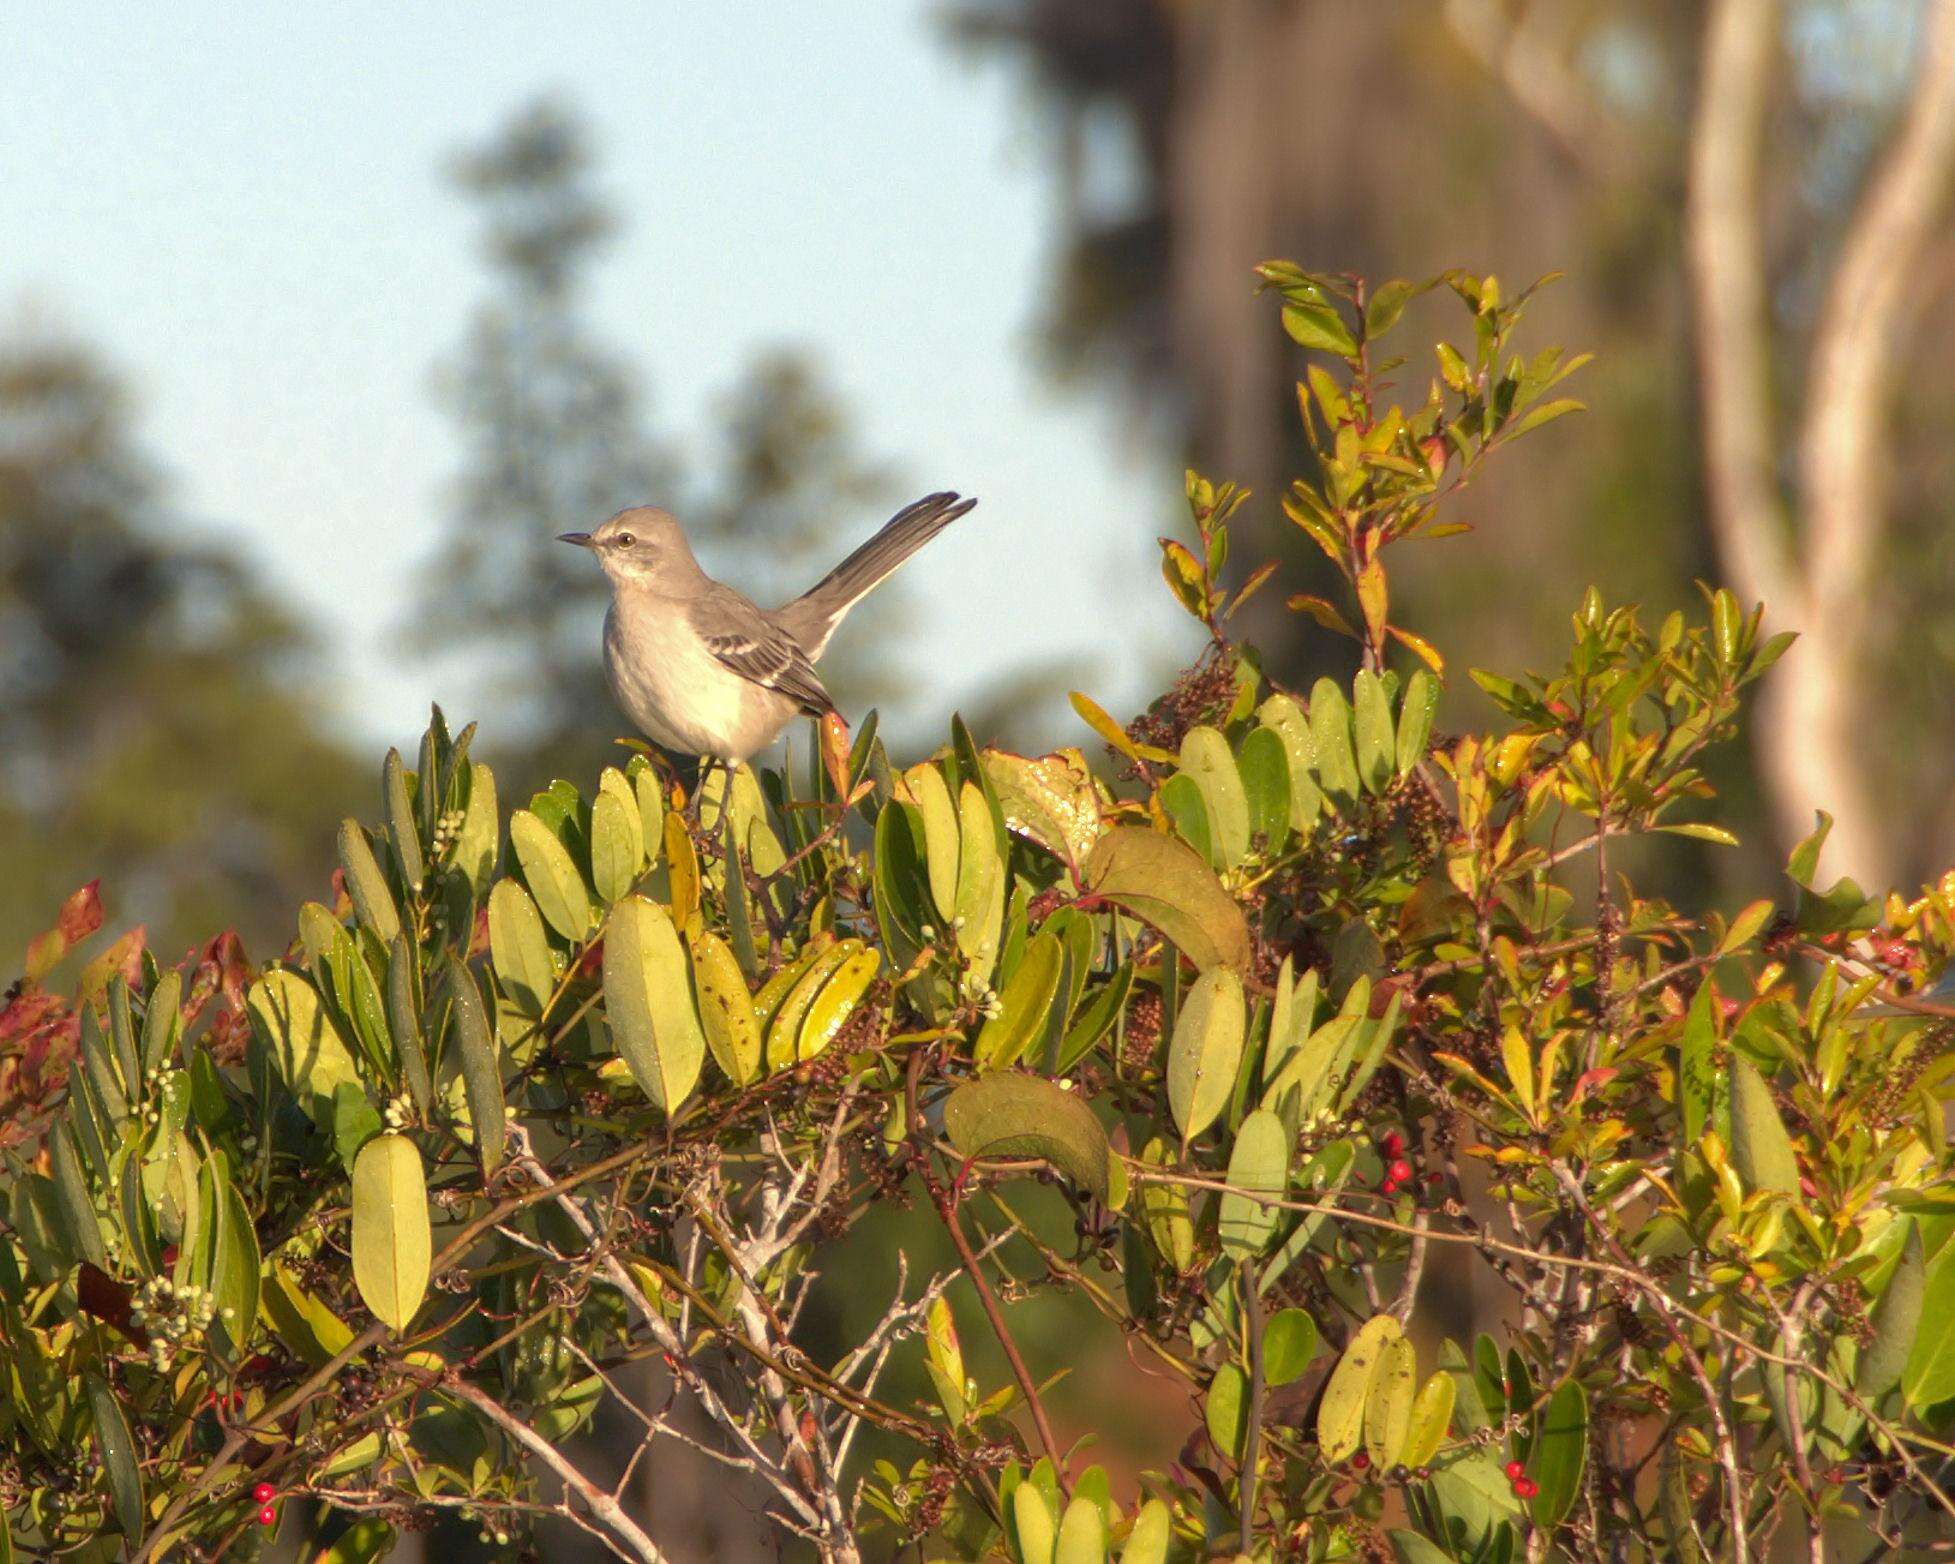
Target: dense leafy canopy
{"x": 1308, "y": 1004}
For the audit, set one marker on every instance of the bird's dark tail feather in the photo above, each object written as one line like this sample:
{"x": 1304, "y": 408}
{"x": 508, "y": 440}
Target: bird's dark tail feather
{"x": 811, "y": 618}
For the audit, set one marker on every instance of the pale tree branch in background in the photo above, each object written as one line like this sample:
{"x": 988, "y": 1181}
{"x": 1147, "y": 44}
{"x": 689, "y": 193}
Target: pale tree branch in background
{"x": 1727, "y": 274}
{"x": 1517, "y": 53}
{"x": 1878, "y": 288}
{"x": 1810, "y": 741}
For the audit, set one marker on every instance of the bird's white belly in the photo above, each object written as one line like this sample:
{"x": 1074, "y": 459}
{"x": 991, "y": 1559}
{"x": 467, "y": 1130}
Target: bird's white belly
{"x": 680, "y": 695}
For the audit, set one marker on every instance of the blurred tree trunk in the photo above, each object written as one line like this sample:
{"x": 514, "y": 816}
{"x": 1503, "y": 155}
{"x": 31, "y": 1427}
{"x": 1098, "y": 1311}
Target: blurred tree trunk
{"x": 1818, "y": 724}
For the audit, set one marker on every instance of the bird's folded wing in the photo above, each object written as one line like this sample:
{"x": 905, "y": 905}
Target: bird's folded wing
{"x": 757, "y": 649}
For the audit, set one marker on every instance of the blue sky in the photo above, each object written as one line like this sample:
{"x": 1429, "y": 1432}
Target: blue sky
{"x": 243, "y": 207}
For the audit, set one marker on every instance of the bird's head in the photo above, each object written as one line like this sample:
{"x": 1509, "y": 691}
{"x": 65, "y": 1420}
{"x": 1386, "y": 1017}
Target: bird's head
{"x": 642, "y": 546}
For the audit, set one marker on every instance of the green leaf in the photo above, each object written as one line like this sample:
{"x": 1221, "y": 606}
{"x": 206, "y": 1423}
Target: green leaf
{"x": 648, "y": 1001}
{"x": 1152, "y": 1532}
{"x": 310, "y": 1330}
{"x": 1377, "y": 741}
{"x": 481, "y": 1062}
{"x": 1560, "y": 1451}
{"x": 1264, "y": 766}
{"x": 1432, "y": 1412}
{"x": 308, "y": 1051}
{"x": 1388, "y": 1402}
{"x": 1330, "y": 739}
{"x": 1259, "y": 1163}
{"x": 367, "y": 1539}
{"x": 1082, "y": 1534}
{"x": 1696, "y": 1069}
{"x": 983, "y": 882}
{"x": 1319, "y": 326}
{"x": 1929, "y": 1377}
{"x": 1161, "y": 881}
{"x": 161, "y": 1022}
{"x": 474, "y": 852}
{"x": 1386, "y": 304}
{"x": 1761, "y": 1151}
{"x": 1289, "y": 1343}
{"x": 1547, "y": 412}
{"x": 1205, "y": 757}
{"x": 1225, "y": 1411}
{"x": 373, "y": 900}
{"x": 1341, "y": 1411}
{"x": 74, "y": 1207}
{"x": 552, "y": 876}
{"x": 1205, "y": 1050}
{"x": 1415, "y": 713}
{"x": 1700, "y": 831}
{"x": 1014, "y": 1115}
{"x": 617, "y": 841}
{"x": 726, "y": 1009}
{"x": 1164, "y": 1209}
{"x": 942, "y": 844}
{"x": 1896, "y": 1322}
{"x": 118, "y": 1449}
{"x": 1052, "y": 800}
{"x": 400, "y": 820}
{"x": 238, "y": 1261}
{"x": 1181, "y": 798}
{"x": 391, "y": 1242}
{"x": 1031, "y": 1519}
{"x": 1023, "y": 1006}
{"x": 404, "y": 1023}
{"x": 1283, "y": 717}
{"x": 1095, "y": 1018}
{"x": 520, "y": 949}
{"x": 1411, "y": 1548}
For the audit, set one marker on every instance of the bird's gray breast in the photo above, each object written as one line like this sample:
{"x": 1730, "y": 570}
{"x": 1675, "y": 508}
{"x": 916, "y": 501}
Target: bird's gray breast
{"x": 668, "y": 682}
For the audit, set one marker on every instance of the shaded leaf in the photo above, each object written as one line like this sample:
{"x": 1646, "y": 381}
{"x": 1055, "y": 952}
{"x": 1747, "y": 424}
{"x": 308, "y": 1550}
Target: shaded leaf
{"x": 1162, "y": 881}
{"x": 648, "y": 1002}
{"x": 1014, "y": 1115}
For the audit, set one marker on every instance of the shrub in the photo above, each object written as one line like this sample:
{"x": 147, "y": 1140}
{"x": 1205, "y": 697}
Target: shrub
{"x": 1307, "y": 1003}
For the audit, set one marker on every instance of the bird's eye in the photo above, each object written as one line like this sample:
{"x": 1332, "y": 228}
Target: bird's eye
{"x": 625, "y": 540}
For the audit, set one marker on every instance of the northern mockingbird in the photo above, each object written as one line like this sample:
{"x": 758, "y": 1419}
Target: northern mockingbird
{"x": 697, "y": 666}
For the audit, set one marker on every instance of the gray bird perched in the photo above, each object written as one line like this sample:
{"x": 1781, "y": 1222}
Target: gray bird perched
{"x": 695, "y": 665}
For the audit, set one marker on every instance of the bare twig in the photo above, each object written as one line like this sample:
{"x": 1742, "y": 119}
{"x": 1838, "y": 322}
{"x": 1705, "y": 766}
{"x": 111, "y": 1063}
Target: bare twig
{"x": 626, "y": 1538}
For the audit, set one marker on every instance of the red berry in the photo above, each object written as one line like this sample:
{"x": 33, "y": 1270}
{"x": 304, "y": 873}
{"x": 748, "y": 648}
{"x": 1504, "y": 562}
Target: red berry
{"x": 1527, "y": 1488}
{"x": 1897, "y": 953}
{"x": 1515, "y": 1471}
{"x": 1392, "y": 1144}
{"x": 263, "y": 1493}
{"x": 1400, "y": 1170}
{"x": 1361, "y": 1460}
{"x": 1389, "y": 1187}
{"x": 267, "y": 1516}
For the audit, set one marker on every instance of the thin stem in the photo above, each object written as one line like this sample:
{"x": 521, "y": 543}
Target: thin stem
{"x": 601, "y": 1504}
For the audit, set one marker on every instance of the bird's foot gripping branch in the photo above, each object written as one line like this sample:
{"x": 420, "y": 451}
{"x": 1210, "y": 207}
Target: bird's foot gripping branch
{"x": 1259, "y": 1053}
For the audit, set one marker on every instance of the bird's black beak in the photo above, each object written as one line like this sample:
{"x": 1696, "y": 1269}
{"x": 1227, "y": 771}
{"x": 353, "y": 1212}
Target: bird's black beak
{"x": 581, "y": 539}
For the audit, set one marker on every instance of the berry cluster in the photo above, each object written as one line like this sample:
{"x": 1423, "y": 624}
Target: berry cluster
{"x": 1524, "y": 1487}
{"x": 262, "y": 1495}
{"x": 1398, "y": 1172}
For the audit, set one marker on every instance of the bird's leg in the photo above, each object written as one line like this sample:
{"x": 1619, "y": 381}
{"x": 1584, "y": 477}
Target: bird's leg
{"x": 696, "y": 805}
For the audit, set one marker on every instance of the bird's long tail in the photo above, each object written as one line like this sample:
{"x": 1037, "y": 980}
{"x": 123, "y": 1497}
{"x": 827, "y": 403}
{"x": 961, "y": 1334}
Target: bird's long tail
{"x": 811, "y": 618}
